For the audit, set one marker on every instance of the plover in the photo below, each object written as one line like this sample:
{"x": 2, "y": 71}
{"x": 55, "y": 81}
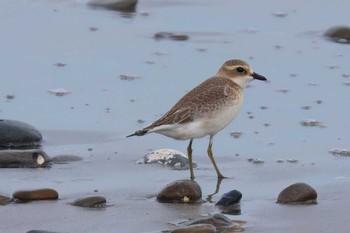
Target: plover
{"x": 206, "y": 109}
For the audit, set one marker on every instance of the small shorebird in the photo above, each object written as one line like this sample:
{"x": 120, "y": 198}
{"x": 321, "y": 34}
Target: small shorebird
{"x": 206, "y": 109}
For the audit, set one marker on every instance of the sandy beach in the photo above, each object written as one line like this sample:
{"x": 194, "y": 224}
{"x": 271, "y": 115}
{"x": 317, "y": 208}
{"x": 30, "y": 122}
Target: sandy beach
{"x": 88, "y": 52}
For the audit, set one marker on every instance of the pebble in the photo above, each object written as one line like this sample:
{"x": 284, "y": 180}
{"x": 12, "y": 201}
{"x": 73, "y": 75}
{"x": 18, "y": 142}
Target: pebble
{"x": 17, "y": 134}
{"x": 41, "y": 231}
{"x": 298, "y": 193}
{"x": 32, "y": 158}
{"x": 37, "y": 194}
{"x": 181, "y": 191}
{"x": 340, "y": 152}
{"x": 219, "y": 221}
{"x": 90, "y": 202}
{"x": 59, "y": 91}
{"x": 117, "y": 5}
{"x": 339, "y": 34}
{"x": 170, "y": 36}
{"x": 197, "y": 228}
{"x": 312, "y": 123}
{"x": 229, "y": 202}
{"x": 167, "y": 157}
{"x": 64, "y": 159}
{"x": 236, "y": 134}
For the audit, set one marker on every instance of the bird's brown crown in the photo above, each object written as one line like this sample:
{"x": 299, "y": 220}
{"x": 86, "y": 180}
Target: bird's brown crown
{"x": 235, "y": 68}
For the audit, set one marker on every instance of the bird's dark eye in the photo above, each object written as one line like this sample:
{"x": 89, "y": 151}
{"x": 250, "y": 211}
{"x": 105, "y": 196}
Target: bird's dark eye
{"x": 240, "y": 69}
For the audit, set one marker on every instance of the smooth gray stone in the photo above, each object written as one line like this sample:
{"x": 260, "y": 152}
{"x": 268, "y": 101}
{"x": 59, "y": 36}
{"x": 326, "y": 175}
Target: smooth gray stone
{"x": 16, "y": 134}
{"x": 32, "y": 158}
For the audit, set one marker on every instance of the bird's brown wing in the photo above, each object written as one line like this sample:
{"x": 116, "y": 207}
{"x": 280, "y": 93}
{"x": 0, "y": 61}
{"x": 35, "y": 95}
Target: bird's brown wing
{"x": 205, "y": 97}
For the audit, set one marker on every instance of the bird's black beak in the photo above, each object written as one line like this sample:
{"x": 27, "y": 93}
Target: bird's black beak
{"x": 258, "y": 76}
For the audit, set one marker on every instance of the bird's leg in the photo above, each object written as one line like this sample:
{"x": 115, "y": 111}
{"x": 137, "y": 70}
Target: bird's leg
{"x": 210, "y": 154}
{"x": 189, "y": 154}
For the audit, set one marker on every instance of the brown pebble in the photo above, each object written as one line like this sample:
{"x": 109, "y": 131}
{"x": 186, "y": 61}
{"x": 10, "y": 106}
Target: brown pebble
{"x": 298, "y": 193}
{"x": 37, "y": 194}
{"x": 183, "y": 191}
{"x": 90, "y": 202}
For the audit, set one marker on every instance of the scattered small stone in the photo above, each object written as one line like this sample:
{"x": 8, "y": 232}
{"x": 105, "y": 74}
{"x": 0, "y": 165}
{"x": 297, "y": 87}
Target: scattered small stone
{"x": 181, "y": 191}
{"x": 160, "y": 53}
{"x": 306, "y": 107}
{"x": 167, "y": 157}
{"x": 144, "y": 13}
{"x": 17, "y": 134}
{"x": 280, "y": 14}
{"x": 292, "y": 160}
{"x": 41, "y": 231}
{"x": 255, "y": 161}
{"x": 59, "y": 64}
{"x": 280, "y": 161}
{"x": 201, "y": 50}
{"x": 139, "y": 121}
{"x": 64, "y": 159}
{"x": 298, "y": 193}
{"x": 219, "y": 221}
{"x": 263, "y": 107}
{"x": 282, "y": 90}
{"x": 313, "y": 84}
{"x": 10, "y": 96}
{"x": 197, "y": 228}
{"x": 332, "y": 67}
{"x": 38, "y": 194}
{"x": 267, "y": 125}
{"x": 347, "y": 84}
{"x": 250, "y": 30}
{"x": 293, "y": 75}
{"x": 90, "y": 202}
{"x": 319, "y": 101}
{"x": 339, "y": 34}
{"x": 170, "y": 36}
{"x": 278, "y": 47}
{"x": 149, "y": 62}
{"x": 128, "y": 77}
{"x": 4, "y": 200}
{"x": 236, "y": 134}
{"x": 340, "y": 152}
{"x": 345, "y": 75}
{"x": 59, "y": 92}
{"x": 90, "y": 149}
{"x": 93, "y": 29}
{"x": 311, "y": 123}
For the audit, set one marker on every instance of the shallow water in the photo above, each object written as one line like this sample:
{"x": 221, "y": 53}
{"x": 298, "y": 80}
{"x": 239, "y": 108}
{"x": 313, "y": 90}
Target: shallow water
{"x": 102, "y": 109}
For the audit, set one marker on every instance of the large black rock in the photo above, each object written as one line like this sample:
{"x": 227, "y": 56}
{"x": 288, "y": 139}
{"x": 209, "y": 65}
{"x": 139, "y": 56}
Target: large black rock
{"x": 17, "y": 134}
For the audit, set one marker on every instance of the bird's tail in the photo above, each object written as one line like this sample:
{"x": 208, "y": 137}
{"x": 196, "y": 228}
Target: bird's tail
{"x": 138, "y": 133}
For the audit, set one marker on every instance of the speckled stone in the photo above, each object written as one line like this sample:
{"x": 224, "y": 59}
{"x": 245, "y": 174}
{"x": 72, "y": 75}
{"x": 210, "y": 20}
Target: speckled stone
{"x": 182, "y": 191}
{"x": 31, "y": 158}
{"x": 37, "y": 194}
{"x": 298, "y": 193}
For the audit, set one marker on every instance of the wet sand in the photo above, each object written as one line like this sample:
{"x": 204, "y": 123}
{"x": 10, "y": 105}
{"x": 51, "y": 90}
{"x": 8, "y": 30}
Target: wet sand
{"x": 101, "y": 109}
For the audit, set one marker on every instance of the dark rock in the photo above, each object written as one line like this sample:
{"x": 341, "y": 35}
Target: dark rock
{"x": 168, "y": 157}
{"x": 117, "y": 5}
{"x": 230, "y": 198}
{"x": 33, "y": 158}
{"x": 64, "y": 159}
{"x": 339, "y": 34}
{"x": 182, "y": 191}
{"x": 340, "y": 152}
{"x": 4, "y": 200}
{"x": 91, "y": 202}
{"x": 229, "y": 202}
{"x": 197, "y": 228}
{"x": 38, "y": 194}
{"x": 298, "y": 193}
{"x": 219, "y": 221}
{"x": 17, "y": 134}
{"x": 170, "y": 36}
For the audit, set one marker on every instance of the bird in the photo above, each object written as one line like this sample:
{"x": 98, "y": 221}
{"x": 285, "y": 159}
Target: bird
{"x": 206, "y": 109}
